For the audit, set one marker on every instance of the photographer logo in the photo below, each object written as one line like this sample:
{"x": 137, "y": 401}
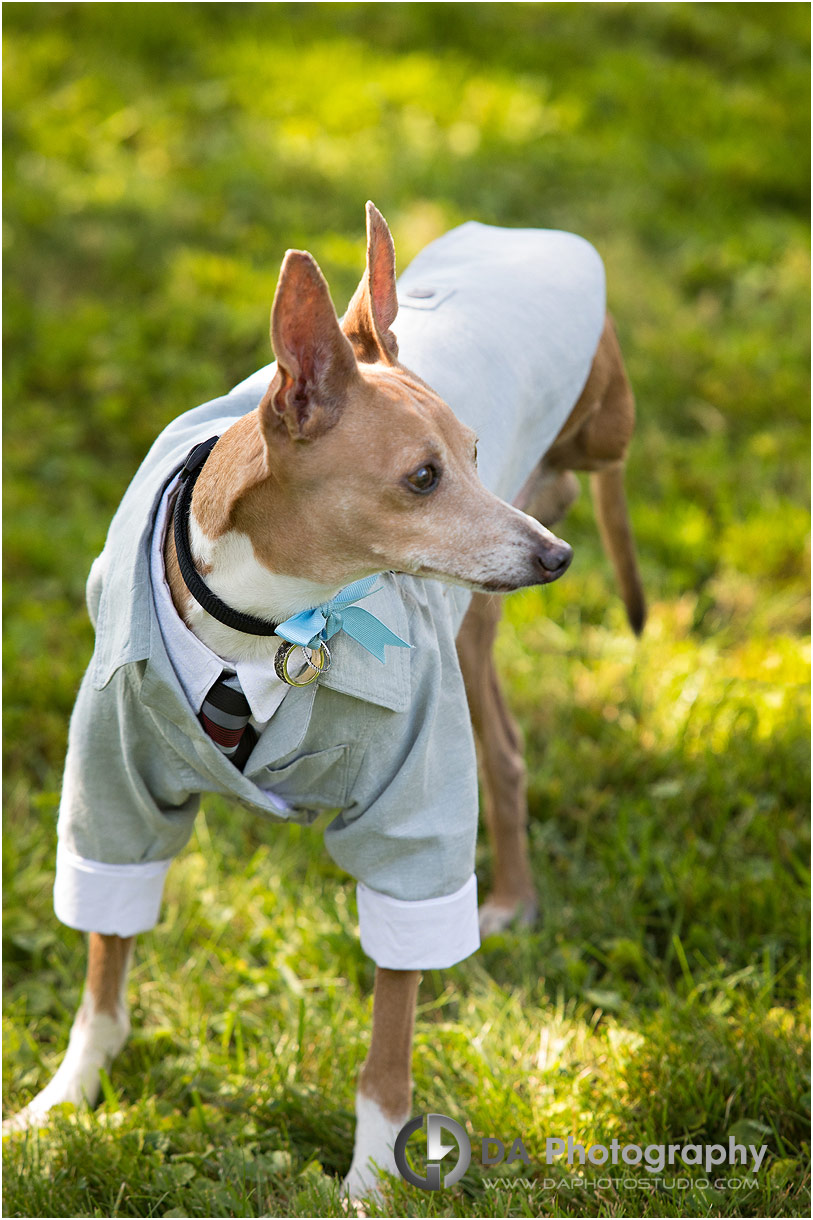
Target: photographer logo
{"x": 436, "y": 1150}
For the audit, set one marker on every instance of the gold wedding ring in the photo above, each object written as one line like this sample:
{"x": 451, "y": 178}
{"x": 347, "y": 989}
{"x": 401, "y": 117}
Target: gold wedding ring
{"x": 317, "y": 661}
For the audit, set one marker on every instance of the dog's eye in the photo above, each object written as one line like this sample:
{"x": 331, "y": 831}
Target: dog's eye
{"x": 424, "y": 479}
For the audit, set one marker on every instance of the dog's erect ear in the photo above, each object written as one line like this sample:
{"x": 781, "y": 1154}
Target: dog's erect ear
{"x": 374, "y": 306}
{"x": 315, "y": 362}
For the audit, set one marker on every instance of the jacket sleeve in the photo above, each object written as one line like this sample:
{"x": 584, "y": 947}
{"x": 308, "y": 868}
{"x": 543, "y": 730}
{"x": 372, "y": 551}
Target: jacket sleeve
{"x": 126, "y": 796}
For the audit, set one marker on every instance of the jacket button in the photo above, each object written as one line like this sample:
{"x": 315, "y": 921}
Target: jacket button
{"x": 421, "y": 293}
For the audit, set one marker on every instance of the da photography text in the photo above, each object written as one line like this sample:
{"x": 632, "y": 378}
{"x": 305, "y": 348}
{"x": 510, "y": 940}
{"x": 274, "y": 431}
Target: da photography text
{"x": 496, "y": 1150}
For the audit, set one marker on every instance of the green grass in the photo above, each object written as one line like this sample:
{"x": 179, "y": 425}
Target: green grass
{"x": 159, "y": 160}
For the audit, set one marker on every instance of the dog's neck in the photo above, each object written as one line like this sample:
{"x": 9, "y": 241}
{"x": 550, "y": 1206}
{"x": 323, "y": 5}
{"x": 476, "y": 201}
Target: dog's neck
{"x": 232, "y": 571}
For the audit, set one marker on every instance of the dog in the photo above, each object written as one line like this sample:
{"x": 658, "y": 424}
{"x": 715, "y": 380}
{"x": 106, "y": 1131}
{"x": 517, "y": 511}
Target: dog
{"x": 297, "y": 602}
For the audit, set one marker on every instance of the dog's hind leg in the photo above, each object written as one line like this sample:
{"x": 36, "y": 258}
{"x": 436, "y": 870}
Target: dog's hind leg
{"x": 98, "y": 1033}
{"x": 384, "y": 1092}
{"x": 607, "y": 487}
{"x": 547, "y": 495}
{"x": 595, "y": 438}
{"x": 502, "y": 770}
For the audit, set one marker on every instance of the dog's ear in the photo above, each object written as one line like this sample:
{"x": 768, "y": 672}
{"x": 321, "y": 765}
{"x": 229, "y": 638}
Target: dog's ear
{"x": 374, "y": 306}
{"x": 315, "y": 362}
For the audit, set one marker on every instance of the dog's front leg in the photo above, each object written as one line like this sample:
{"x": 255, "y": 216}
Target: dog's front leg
{"x": 98, "y": 1033}
{"x": 384, "y": 1091}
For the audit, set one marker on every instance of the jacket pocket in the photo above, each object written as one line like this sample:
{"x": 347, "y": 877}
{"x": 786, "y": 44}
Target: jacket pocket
{"x": 309, "y": 783}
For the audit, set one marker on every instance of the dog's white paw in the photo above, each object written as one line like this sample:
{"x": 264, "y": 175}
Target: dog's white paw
{"x": 373, "y": 1153}
{"x": 28, "y": 1119}
{"x": 496, "y": 916}
{"x": 67, "y": 1085}
{"x": 95, "y": 1039}
{"x": 360, "y": 1188}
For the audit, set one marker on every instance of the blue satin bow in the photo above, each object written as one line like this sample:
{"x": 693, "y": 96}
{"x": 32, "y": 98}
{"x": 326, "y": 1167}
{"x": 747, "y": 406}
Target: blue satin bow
{"x": 309, "y": 626}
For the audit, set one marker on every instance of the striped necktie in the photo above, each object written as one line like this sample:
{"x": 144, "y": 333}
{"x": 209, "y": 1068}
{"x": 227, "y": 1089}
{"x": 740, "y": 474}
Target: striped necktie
{"x": 225, "y": 716}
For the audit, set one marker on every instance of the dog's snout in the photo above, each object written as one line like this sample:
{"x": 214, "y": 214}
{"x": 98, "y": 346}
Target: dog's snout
{"x": 554, "y": 558}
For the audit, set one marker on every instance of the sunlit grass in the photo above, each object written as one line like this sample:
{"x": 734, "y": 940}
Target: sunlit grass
{"x": 159, "y": 160}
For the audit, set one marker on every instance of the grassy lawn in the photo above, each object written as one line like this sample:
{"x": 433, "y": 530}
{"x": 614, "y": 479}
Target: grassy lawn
{"x": 159, "y": 160}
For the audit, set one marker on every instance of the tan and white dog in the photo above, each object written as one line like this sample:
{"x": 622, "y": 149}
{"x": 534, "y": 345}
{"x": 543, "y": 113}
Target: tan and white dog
{"x": 385, "y": 473}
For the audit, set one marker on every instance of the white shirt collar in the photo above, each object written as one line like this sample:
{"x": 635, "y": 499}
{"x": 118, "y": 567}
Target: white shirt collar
{"x": 195, "y": 665}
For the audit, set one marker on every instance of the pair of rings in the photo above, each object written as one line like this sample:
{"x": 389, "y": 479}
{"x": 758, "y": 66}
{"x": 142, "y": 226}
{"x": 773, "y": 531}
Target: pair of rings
{"x": 317, "y": 661}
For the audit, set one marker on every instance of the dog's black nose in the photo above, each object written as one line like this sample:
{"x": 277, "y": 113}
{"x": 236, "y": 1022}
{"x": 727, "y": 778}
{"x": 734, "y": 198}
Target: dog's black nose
{"x": 554, "y": 559}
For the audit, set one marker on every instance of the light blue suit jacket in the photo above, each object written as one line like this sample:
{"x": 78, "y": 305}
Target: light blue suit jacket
{"x": 503, "y": 324}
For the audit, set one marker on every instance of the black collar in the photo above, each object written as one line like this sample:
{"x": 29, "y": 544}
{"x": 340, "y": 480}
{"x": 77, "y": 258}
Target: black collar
{"x": 203, "y": 595}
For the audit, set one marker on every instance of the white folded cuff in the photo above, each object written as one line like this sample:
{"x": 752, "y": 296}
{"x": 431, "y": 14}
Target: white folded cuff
{"x": 430, "y": 934}
{"x": 116, "y": 899}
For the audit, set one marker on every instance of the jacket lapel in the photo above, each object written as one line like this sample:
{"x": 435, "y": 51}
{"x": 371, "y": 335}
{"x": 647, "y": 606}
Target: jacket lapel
{"x": 354, "y": 671}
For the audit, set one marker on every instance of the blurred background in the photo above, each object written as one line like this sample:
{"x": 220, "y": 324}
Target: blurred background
{"x": 159, "y": 160}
